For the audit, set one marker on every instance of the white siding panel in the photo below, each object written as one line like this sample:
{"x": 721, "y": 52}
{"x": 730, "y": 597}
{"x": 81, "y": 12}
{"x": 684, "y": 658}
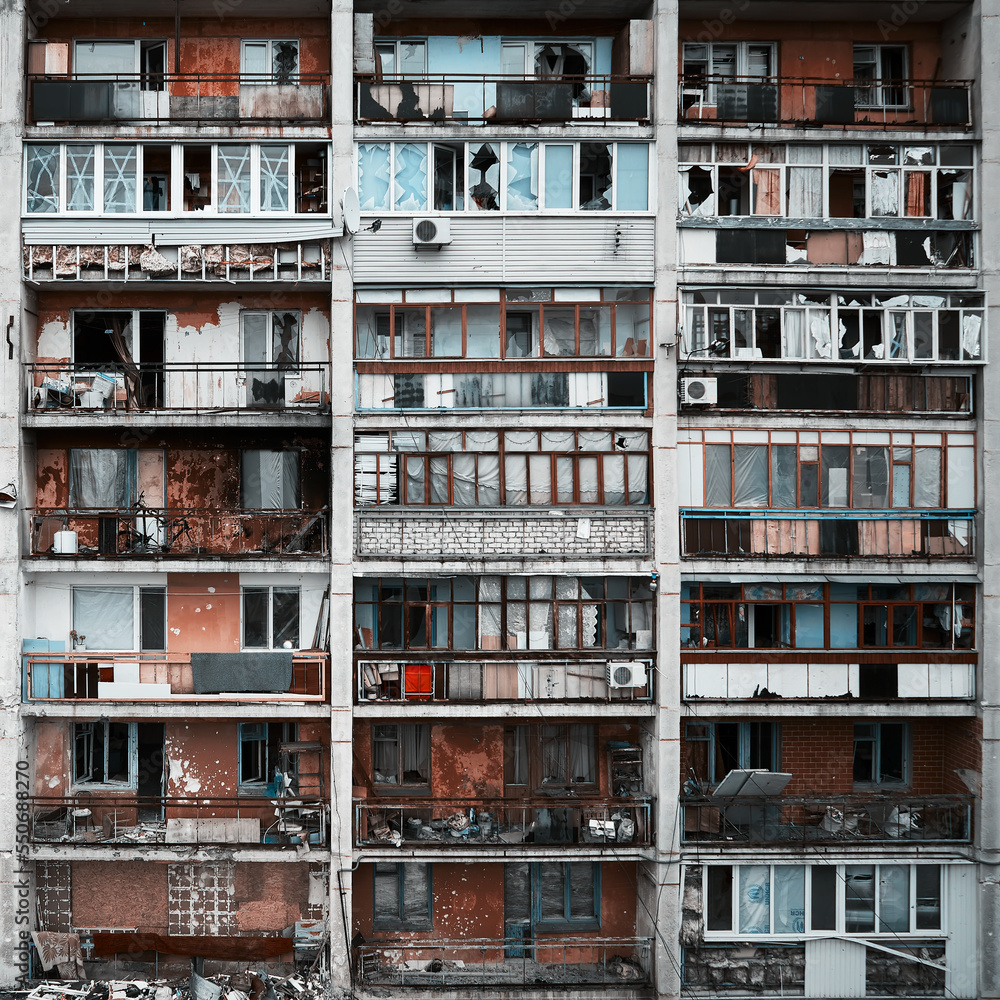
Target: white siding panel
{"x": 174, "y": 232}
{"x": 690, "y": 475}
{"x": 512, "y": 249}
{"x": 961, "y": 951}
{"x": 835, "y": 968}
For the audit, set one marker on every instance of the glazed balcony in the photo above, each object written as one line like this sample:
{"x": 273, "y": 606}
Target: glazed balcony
{"x": 60, "y": 390}
{"x": 848, "y": 819}
{"x": 517, "y": 962}
{"x": 832, "y": 534}
{"x": 176, "y": 533}
{"x": 502, "y": 99}
{"x": 167, "y": 98}
{"x": 107, "y": 677}
{"x": 531, "y": 822}
{"x": 612, "y": 682}
{"x": 922, "y": 105}
{"x": 115, "y": 820}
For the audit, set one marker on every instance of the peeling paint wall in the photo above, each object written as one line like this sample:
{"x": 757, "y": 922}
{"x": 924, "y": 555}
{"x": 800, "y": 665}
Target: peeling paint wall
{"x": 203, "y": 612}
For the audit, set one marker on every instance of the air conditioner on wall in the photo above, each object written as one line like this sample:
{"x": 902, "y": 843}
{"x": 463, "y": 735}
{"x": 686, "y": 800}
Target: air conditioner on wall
{"x": 699, "y": 391}
{"x": 626, "y": 675}
{"x": 431, "y": 232}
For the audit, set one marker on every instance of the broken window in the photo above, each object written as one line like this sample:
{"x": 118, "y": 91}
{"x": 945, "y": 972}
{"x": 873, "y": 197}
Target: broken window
{"x": 402, "y": 896}
{"x": 484, "y": 194}
{"x": 156, "y": 178}
{"x": 270, "y": 480}
{"x": 401, "y": 754}
{"x": 522, "y": 176}
{"x": 374, "y": 172}
{"x": 881, "y": 76}
{"x": 401, "y": 58}
{"x": 264, "y": 61}
{"x": 545, "y": 758}
{"x": 715, "y": 749}
{"x": 233, "y": 166}
{"x": 595, "y": 176}
{"x": 260, "y": 760}
{"x": 270, "y": 354}
{"x": 105, "y": 753}
{"x": 270, "y": 617}
{"x": 708, "y": 65}
{"x": 880, "y": 753}
{"x": 42, "y": 178}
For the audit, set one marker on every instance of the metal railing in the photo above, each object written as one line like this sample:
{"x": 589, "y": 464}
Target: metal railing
{"x": 62, "y": 387}
{"x": 176, "y": 532}
{"x": 158, "y": 98}
{"x": 874, "y": 818}
{"x": 96, "y": 676}
{"x": 532, "y": 821}
{"x": 883, "y": 103}
{"x": 521, "y": 960}
{"x": 613, "y": 681}
{"x": 838, "y": 534}
{"x": 117, "y": 820}
{"x": 496, "y": 98}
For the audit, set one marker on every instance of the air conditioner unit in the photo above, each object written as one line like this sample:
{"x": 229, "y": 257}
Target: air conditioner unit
{"x": 431, "y": 232}
{"x": 699, "y": 391}
{"x": 626, "y": 675}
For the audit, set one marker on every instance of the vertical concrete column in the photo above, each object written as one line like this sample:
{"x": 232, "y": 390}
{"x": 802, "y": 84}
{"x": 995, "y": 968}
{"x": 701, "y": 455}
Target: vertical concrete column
{"x": 341, "y": 494}
{"x": 661, "y": 889}
{"x": 16, "y": 902}
{"x": 988, "y": 813}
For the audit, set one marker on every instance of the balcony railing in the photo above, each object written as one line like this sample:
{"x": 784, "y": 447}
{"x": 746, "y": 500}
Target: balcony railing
{"x": 868, "y": 819}
{"x": 60, "y": 388}
{"x": 117, "y": 820}
{"x": 159, "y": 98}
{"x": 473, "y": 97}
{"x": 806, "y": 534}
{"x": 517, "y": 961}
{"x": 882, "y": 103}
{"x": 177, "y": 532}
{"x": 612, "y": 681}
{"x": 532, "y": 821}
{"x": 95, "y": 676}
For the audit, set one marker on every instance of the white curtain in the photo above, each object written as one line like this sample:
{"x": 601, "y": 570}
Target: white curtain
{"x": 416, "y": 753}
{"x": 805, "y": 192}
{"x": 270, "y": 480}
{"x": 581, "y": 754}
{"x": 99, "y": 477}
{"x": 105, "y": 616}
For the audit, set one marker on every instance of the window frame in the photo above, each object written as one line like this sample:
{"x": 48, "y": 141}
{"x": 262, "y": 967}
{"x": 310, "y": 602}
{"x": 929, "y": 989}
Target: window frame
{"x": 745, "y": 752}
{"x": 266, "y": 743}
{"x": 395, "y": 738}
{"x": 138, "y": 643}
{"x": 85, "y": 731}
{"x": 270, "y": 590}
{"x": 741, "y": 65}
{"x": 877, "y": 94}
{"x": 537, "y": 740}
{"x": 878, "y": 739}
{"x": 400, "y": 921}
{"x": 270, "y": 78}
{"x": 289, "y": 368}
{"x": 566, "y": 923}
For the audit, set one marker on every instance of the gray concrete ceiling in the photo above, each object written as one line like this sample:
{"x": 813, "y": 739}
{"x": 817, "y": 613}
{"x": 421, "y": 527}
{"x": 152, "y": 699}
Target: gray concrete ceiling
{"x": 819, "y": 10}
{"x": 219, "y": 9}
{"x": 578, "y": 10}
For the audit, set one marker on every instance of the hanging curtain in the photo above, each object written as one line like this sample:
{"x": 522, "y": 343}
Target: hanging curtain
{"x": 415, "y": 479}
{"x": 917, "y": 184}
{"x": 794, "y": 328}
{"x": 101, "y": 477}
{"x": 638, "y": 479}
{"x": 885, "y": 192}
{"x": 805, "y": 192}
{"x": 614, "y": 479}
{"x": 581, "y": 754}
{"x": 270, "y": 480}
{"x": 416, "y": 753}
{"x": 750, "y": 475}
{"x": 767, "y": 184}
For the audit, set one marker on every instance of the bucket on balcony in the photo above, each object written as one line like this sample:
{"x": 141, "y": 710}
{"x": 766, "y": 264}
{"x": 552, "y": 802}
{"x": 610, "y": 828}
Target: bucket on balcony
{"x": 65, "y": 543}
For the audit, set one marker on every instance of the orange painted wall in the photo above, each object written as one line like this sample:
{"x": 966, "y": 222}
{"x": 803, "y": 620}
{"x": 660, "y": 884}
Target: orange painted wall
{"x": 203, "y": 612}
{"x": 51, "y": 758}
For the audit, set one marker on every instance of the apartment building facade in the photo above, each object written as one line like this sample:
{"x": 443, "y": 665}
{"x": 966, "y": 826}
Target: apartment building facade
{"x": 642, "y": 348}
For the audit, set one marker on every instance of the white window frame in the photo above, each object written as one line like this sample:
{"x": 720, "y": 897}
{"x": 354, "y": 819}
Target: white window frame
{"x": 734, "y": 933}
{"x": 385, "y": 43}
{"x": 137, "y": 645}
{"x": 270, "y": 617}
{"x": 292, "y": 370}
{"x": 741, "y": 68}
{"x": 268, "y": 78}
{"x": 133, "y": 754}
{"x": 878, "y": 90}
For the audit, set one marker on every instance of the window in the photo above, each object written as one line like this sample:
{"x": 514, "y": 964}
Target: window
{"x": 260, "y": 759}
{"x": 403, "y": 898}
{"x": 270, "y": 480}
{"x": 880, "y": 76}
{"x": 270, "y": 617}
{"x": 401, "y": 755}
{"x": 105, "y": 753}
{"x": 800, "y": 900}
{"x": 111, "y": 340}
{"x": 541, "y": 759}
{"x": 102, "y": 478}
{"x": 722, "y": 63}
{"x": 716, "y": 748}
{"x": 271, "y": 339}
{"x": 493, "y": 612}
{"x": 266, "y": 61}
{"x": 881, "y": 755}
{"x": 107, "y": 617}
{"x": 503, "y": 176}
{"x": 145, "y": 59}
{"x": 402, "y": 57}
{"x": 553, "y": 896}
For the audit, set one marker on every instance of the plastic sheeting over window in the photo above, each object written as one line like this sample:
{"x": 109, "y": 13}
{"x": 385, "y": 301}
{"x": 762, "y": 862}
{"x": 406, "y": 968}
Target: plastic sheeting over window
{"x": 105, "y": 615}
{"x": 270, "y": 480}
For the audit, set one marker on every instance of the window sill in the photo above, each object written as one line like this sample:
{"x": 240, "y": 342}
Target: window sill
{"x": 567, "y": 926}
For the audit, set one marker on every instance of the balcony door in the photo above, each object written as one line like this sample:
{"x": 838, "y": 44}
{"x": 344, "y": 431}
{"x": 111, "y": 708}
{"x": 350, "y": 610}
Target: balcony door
{"x": 150, "y": 780}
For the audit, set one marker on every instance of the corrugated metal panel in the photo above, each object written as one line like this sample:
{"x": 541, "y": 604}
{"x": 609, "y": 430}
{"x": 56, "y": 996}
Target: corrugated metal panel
{"x": 961, "y": 950}
{"x": 512, "y": 249}
{"x": 835, "y": 968}
{"x": 174, "y": 232}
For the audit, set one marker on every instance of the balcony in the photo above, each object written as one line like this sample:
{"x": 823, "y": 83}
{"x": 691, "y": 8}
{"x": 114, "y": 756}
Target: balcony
{"x": 882, "y": 104}
{"x": 96, "y": 819}
{"x": 166, "y": 98}
{"x": 501, "y": 99}
{"x": 108, "y": 677}
{"x": 836, "y": 820}
{"x": 806, "y": 534}
{"x": 458, "y": 533}
{"x": 513, "y": 963}
{"x": 62, "y": 389}
{"x": 609, "y": 681}
{"x": 176, "y": 533}
{"x": 532, "y": 822}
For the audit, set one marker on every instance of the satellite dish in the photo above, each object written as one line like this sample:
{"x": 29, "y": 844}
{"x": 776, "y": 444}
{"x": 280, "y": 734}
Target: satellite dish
{"x": 352, "y": 211}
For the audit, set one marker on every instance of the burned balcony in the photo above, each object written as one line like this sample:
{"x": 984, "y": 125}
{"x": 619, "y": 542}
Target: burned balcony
{"x": 855, "y": 534}
{"x": 122, "y": 820}
{"x": 609, "y": 681}
{"x": 511, "y": 963}
{"x": 532, "y": 822}
{"x": 166, "y": 98}
{"x": 142, "y": 532}
{"x": 130, "y": 676}
{"x": 62, "y": 389}
{"x": 836, "y": 820}
{"x": 863, "y": 103}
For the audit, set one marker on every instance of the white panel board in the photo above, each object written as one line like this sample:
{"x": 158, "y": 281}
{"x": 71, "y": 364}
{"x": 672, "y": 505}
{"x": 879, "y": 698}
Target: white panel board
{"x": 835, "y": 968}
